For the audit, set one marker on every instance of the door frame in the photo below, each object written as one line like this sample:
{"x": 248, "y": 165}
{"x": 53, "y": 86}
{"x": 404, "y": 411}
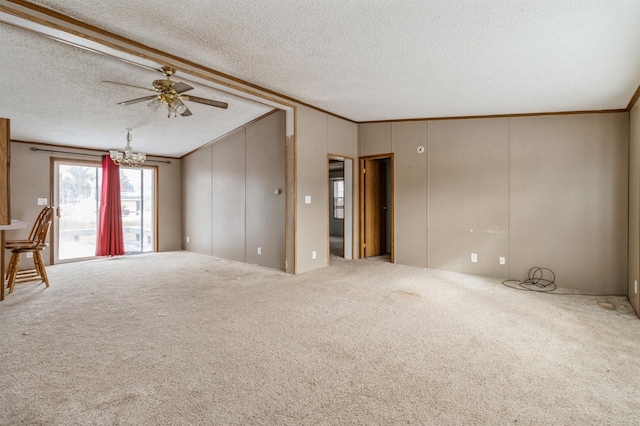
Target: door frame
{"x": 54, "y": 187}
{"x": 361, "y": 204}
{"x": 349, "y": 198}
{"x": 53, "y": 196}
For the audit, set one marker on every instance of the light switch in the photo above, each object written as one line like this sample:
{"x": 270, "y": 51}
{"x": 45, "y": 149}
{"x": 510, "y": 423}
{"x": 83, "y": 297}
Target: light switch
{"x": 307, "y": 199}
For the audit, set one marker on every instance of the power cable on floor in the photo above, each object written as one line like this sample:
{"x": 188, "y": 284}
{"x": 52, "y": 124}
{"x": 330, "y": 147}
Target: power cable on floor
{"x": 542, "y": 280}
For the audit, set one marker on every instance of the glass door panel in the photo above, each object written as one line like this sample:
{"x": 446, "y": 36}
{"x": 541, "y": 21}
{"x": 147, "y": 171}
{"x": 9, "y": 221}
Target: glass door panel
{"x": 137, "y": 189}
{"x": 148, "y": 209}
{"x": 77, "y": 189}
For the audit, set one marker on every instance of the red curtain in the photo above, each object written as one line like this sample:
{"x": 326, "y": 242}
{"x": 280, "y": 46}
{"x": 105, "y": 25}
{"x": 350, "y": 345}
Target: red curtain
{"x": 110, "y": 241}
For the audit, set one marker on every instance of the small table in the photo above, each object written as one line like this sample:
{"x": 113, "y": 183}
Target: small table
{"x": 15, "y": 224}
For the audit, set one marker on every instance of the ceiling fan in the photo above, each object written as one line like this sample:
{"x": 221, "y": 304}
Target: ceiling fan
{"x": 171, "y": 94}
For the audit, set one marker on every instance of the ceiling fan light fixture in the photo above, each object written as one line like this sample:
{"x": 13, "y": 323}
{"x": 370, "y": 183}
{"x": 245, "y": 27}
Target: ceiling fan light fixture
{"x": 170, "y": 93}
{"x": 128, "y": 157}
{"x": 154, "y": 104}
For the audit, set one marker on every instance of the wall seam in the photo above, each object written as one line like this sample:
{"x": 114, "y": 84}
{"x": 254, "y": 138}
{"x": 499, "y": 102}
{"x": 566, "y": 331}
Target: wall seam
{"x": 428, "y": 190}
{"x": 629, "y": 213}
{"x": 426, "y": 198}
{"x": 246, "y": 247}
{"x": 509, "y": 198}
{"x": 211, "y": 202}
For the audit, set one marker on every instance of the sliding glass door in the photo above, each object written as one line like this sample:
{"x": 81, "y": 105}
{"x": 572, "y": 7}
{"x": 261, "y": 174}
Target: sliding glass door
{"x": 137, "y": 195}
{"x": 77, "y": 194}
{"x": 77, "y": 186}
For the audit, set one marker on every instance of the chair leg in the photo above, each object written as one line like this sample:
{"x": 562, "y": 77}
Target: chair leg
{"x": 13, "y": 271}
{"x": 39, "y": 263}
{"x": 10, "y": 267}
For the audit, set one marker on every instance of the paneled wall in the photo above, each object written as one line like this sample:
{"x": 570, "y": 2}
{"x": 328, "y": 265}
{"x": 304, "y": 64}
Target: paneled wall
{"x": 468, "y": 195}
{"x": 265, "y": 165}
{"x": 230, "y": 204}
{"x": 634, "y": 207}
{"x": 229, "y": 195}
{"x": 545, "y": 191}
{"x": 569, "y": 199}
{"x": 318, "y": 135}
{"x": 197, "y": 169}
{"x": 411, "y": 182}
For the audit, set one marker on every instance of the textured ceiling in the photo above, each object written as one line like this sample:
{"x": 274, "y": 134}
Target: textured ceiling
{"x": 361, "y": 59}
{"x": 53, "y": 93}
{"x": 386, "y": 59}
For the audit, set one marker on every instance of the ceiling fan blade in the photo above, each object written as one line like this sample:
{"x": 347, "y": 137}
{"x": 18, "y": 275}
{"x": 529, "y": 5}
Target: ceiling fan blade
{"x": 180, "y": 87}
{"x": 205, "y": 101}
{"x": 135, "y": 101}
{"x": 128, "y": 85}
{"x": 186, "y": 112}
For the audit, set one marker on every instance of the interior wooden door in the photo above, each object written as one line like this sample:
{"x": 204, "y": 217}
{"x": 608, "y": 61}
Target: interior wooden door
{"x": 373, "y": 208}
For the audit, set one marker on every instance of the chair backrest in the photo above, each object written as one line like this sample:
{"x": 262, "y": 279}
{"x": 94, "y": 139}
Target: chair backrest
{"x": 37, "y": 222}
{"x": 42, "y": 226}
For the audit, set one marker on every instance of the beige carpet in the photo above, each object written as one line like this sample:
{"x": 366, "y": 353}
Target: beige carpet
{"x": 183, "y": 339}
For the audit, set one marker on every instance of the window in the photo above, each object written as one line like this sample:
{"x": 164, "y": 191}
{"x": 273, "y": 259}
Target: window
{"x": 338, "y": 199}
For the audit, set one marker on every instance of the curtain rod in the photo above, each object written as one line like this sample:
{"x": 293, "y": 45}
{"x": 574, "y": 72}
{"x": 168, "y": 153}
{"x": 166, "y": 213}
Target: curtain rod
{"x": 33, "y": 148}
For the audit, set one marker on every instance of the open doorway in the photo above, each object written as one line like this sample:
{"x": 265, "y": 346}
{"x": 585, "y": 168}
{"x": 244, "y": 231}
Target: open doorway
{"x": 376, "y": 207}
{"x": 340, "y": 173}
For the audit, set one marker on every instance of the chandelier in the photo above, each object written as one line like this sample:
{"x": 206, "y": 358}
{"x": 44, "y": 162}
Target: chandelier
{"x": 128, "y": 157}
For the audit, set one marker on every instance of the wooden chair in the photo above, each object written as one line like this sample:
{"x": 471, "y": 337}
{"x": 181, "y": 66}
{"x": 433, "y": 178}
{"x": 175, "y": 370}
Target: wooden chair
{"x": 35, "y": 244}
{"x": 32, "y": 234}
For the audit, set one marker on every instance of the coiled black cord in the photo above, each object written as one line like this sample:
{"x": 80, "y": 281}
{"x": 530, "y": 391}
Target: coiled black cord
{"x": 542, "y": 280}
{"x": 536, "y": 281}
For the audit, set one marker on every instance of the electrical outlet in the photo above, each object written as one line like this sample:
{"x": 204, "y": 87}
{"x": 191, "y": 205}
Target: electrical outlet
{"x": 313, "y": 254}
{"x": 635, "y": 286}
{"x": 29, "y": 254}
{"x": 42, "y": 201}
{"x": 503, "y": 260}
{"x": 187, "y": 239}
{"x": 307, "y": 199}
{"x": 474, "y": 257}
{"x": 260, "y": 250}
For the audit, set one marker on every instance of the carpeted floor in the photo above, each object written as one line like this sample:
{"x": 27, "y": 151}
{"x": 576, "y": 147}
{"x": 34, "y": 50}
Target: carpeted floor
{"x": 179, "y": 338}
